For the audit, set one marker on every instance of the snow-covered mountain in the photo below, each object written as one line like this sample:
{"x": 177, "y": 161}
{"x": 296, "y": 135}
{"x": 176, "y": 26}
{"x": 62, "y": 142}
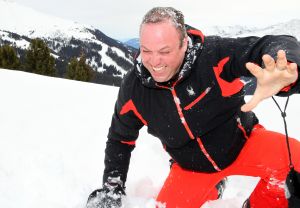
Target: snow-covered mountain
{"x": 19, "y": 24}
{"x": 134, "y": 42}
{"x": 110, "y": 58}
{"x": 291, "y": 27}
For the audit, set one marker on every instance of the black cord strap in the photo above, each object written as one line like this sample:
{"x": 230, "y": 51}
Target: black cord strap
{"x": 283, "y": 115}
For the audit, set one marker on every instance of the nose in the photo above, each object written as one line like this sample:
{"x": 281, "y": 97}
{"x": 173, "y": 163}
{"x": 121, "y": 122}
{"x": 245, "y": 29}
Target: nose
{"x": 155, "y": 60}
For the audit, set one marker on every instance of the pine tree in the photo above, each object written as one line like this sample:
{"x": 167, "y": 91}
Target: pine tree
{"x": 79, "y": 70}
{"x": 38, "y": 59}
{"x": 8, "y": 58}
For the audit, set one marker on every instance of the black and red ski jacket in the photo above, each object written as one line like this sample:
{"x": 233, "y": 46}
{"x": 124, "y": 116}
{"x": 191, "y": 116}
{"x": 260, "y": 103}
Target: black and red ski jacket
{"x": 196, "y": 115}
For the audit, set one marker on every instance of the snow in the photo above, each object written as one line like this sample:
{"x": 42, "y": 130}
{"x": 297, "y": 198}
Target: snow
{"x": 108, "y": 61}
{"x": 158, "y": 13}
{"x": 289, "y": 28}
{"x": 52, "y": 139}
{"x": 53, "y": 131}
{"x": 22, "y": 43}
{"x": 120, "y": 53}
{"x": 26, "y": 21}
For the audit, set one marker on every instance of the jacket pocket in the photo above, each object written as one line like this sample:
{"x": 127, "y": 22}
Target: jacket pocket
{"x": 200, "y": 97}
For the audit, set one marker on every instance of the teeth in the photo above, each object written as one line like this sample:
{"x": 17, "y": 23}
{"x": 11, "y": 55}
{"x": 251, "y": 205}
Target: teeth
{"x": 158, "y": 68}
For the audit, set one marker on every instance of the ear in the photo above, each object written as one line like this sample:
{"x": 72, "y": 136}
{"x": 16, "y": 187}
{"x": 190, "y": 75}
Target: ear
{"x": 185, "y": 43}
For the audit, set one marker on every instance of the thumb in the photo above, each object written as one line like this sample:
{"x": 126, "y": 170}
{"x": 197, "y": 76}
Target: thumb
{"x": 254, "y": 69}
{"x": 251, "y": 104}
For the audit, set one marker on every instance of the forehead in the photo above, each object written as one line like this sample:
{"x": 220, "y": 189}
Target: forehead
{"x": 159, "y": 34}
{"x": 162, "y": 26}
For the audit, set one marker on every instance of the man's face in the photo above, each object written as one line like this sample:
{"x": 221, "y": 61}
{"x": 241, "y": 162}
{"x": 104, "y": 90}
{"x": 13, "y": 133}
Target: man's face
{"x": 161, "y": 51}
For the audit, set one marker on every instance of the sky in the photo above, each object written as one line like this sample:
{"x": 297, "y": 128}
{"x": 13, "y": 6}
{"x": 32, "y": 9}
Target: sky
{"x": 52, "y": 140}
{"x": 121, "y": 19}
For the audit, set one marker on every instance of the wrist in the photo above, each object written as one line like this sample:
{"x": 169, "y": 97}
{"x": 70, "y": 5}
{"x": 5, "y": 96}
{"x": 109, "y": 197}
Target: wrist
{"x": 115, "y": 185}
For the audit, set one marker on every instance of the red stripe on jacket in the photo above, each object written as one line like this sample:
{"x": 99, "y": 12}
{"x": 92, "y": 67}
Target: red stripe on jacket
{"x": 197, "y": 33}
{"x": 189, "y": 106}
{"x": 128, "y": 142}
{"x": 129, "y": 106}
{"x": 227, "y": 88}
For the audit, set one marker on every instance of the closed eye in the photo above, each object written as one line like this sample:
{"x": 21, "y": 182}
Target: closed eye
{"x": 146, "y": 51}
{"x": 164, "y": 52}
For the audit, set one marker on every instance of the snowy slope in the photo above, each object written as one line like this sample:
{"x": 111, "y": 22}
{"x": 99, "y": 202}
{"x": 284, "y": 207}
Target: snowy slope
{"x": 52, "y": 139}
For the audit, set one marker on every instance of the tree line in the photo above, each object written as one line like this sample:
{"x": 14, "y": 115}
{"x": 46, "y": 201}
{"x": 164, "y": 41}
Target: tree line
{"x": 38, "y": 59}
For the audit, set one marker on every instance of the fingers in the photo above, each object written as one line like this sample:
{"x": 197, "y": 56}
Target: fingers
{"x": 271, "y": 79}
{"x": 269, "y": 62}
{"x": 254, "y": 69}
{"x": 281, "y": 62}
{"x": 292, "y": 68}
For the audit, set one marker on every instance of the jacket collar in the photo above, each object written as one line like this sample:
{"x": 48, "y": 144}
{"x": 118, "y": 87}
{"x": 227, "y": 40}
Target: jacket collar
{"x": 195, "y": 45}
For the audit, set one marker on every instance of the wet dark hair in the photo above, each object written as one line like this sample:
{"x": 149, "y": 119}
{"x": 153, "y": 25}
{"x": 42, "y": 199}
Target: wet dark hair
{"x": 161, "y": 14}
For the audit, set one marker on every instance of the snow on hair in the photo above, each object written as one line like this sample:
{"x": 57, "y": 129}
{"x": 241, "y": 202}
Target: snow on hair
{"x": 161, "y": 14}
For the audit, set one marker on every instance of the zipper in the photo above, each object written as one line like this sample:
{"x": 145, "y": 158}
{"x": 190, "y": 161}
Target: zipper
{"x": 179, "y": 110}
{"x": 187, "y": 128}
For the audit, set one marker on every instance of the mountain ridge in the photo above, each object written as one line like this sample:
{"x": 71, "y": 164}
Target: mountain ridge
{"x": 291, "y": 27}
{"x": 110, "y": 58}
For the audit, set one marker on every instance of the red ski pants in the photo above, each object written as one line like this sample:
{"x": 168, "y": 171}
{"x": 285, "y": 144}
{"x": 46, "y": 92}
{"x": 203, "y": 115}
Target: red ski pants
{"x": 264, "y": 155}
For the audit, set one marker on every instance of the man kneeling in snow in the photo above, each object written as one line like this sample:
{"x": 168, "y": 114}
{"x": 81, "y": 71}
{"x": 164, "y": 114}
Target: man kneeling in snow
{"x": 186, "y": 89}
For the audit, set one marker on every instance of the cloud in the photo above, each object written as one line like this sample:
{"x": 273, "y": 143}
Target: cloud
{"x": 121, "y": 19}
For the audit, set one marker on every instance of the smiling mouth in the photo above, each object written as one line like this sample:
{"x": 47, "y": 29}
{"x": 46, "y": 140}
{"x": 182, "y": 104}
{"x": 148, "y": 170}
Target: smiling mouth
{"x": 157, "y": 69}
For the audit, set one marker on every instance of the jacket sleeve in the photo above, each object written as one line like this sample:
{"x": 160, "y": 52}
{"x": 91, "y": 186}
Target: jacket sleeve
{"x": 251, "y": 49}
{"x": 123, "y": 132}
